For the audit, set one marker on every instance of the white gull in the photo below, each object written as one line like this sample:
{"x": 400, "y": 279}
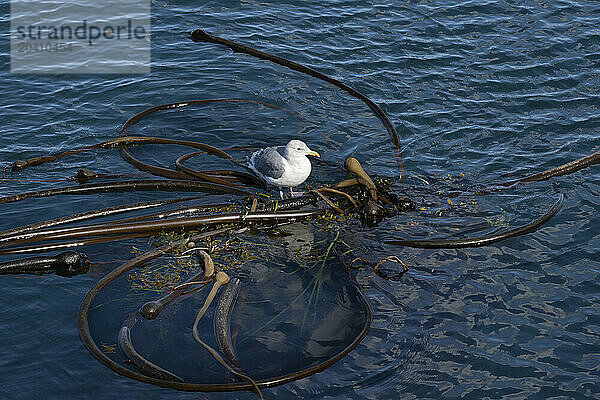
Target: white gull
{"x": 283, "y": 166}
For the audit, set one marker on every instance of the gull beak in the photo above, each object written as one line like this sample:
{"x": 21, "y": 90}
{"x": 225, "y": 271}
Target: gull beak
{"x": 313, "y": 153}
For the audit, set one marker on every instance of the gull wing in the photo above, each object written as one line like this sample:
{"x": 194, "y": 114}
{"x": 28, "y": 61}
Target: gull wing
{"x": 269, "y": 162}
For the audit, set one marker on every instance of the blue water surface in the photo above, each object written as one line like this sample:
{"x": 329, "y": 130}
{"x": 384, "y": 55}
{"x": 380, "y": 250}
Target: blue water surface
{"x": 480, "y": 92}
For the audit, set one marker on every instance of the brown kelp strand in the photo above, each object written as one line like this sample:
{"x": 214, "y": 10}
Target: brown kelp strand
{"x": 307, "y": 199}
{"x": 140, "y": 363}
{"x": 174, "y": 213}
{"x": 67, "y": 263}
{"x": 329, "y": 202}
{"x": 170, "y": 106}
{"x": 121, "y": 141}
{"x": 141, "y": 140}
{"x": 199, "y": 174}
{"x": 346, "y": 195}
{"x": 84, "y": 175}
{"x": 311, "y": 197}
{"x": 167, "y": 225}
{"x": 199, "y": 35}
{"x": 89, "y": 343}
{"x": 358, "y": 263}
{"x": 154, "y": 170}
{"x": 220, "y": 279}
{"x": 104, "y": 212}
{"x": 152, "y": 309}
{"x": 166, "y": 172}
{"x": 236, "y": 176}
{"x": 222, "y": 176}
{"x": 563, "y": 169}
{"x": 169, "y": 173}
{"x": 182, "y": 172}
{"x": 346, "y": 183}
{"x": 483, "y": 240}
{"x": 129, "y": 140}
{"x": 141, "y": 185}
{"x": 222, "y": 320}
{"x": 40, "y": 248}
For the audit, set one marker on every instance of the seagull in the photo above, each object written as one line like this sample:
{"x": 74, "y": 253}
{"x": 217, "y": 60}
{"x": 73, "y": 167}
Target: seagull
{"x": 283, "y": 166}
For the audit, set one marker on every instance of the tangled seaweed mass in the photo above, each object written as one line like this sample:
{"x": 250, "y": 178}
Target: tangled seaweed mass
{"x": 203, "y": 234}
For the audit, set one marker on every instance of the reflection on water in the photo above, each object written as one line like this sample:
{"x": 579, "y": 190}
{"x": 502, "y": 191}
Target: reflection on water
{"x": 298, "y": 241}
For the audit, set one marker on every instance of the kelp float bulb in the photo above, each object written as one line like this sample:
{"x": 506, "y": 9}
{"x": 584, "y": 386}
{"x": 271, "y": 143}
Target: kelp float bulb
{"x": 222, "y": 278}
{"x": 209, "y": 265}
{"x": 67, "y": 263}
{"x": 151, "y": 309}
{"x": 353, "y": 165}
{"x": 372, "y": 213}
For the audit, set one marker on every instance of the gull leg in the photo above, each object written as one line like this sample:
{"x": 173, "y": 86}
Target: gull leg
{"x": 295, "y": 194}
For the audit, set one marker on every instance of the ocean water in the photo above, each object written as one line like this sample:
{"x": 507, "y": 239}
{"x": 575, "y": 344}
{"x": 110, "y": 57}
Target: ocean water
{"x": 480, "y": 92}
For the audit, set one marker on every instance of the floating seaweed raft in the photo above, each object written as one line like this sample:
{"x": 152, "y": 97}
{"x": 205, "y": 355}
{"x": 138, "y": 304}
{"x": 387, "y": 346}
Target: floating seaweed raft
{"x": 210, "y": 245}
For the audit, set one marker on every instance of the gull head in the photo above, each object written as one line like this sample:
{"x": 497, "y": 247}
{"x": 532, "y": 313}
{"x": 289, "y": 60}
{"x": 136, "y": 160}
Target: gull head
{"x": 296, "y": 148}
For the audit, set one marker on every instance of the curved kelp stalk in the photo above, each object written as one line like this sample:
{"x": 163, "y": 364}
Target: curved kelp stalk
{"x": 151, "y": 310}
{"x": 113, "y": 143}
{"x": 199, "y": 35}
{"x": 483, "y": 240}
{"x": 89, "y": 343}
{"x": 563, "y": 169}
{"x": 141, "y": 364}
{"x": 180, "y": 173}
{"x": 223, "y": 320}
{"x": 123, "y": 141}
